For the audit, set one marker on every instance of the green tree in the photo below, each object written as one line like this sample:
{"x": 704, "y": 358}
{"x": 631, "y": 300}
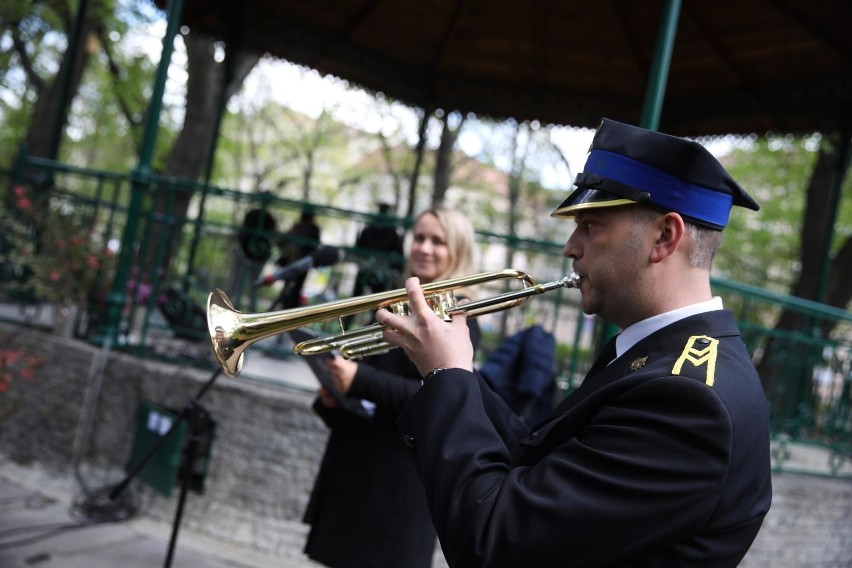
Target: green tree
{"x": 100, "y": 106}
{"x": 780, "y": 247}
{"x": 41, "y": 77}
{"x": 211, "y": 81}
{"x": 268, "y": 147}
{"x": 761, "y": 248}
{"x": 399, "y": 166}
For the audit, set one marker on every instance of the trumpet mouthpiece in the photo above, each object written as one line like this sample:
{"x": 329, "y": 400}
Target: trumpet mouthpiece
{"x": 572, "y": 280}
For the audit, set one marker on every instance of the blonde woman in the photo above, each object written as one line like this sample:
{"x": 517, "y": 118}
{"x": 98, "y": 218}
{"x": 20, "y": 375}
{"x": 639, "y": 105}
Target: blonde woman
{"x": 368, "y": 507}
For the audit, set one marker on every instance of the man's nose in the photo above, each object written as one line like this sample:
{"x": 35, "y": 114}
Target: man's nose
{"x": 571, "y": 248}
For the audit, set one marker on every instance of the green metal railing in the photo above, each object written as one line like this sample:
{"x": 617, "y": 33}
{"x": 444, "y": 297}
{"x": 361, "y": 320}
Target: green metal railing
{"x": 186, "y": 244}
{"x": 803, "y": 353}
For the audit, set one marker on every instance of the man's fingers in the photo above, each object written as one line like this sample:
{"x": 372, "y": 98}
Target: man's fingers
{"x": 389, "y": 320}
{"x": 394, "y": 336}
{"x": 416, "y": 300}
{"x": 395, "y": 325}
{"x": 460, "y": 318}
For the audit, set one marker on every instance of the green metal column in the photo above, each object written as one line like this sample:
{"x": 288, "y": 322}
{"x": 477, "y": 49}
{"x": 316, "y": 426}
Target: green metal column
{"x": 654, "y": 96}
{"x": 140, "y": 179}
{"x": 656, "y": 91}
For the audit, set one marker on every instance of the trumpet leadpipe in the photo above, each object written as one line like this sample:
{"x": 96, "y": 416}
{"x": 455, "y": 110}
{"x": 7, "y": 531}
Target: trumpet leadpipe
{"x": 515, "y": 298}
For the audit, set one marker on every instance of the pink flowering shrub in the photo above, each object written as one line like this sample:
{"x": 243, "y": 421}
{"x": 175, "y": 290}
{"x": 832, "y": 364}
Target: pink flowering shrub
{"x": 62, "y": 256}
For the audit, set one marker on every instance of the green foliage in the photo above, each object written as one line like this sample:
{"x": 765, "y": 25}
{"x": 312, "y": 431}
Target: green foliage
{"x": 104, "y": 122}
{"x": 762, "y": 248}
{"x": 105, "y": 128}
{"x": 39, "y": 26}
{"x": 284, "y": 152}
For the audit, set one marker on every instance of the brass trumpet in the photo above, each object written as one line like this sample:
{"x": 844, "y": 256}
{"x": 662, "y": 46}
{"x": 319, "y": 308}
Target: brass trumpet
{"x": 231, "y": 331}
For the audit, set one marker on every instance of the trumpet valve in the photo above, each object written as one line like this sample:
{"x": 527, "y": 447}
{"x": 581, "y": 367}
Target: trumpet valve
{"x": 440, "y": 302}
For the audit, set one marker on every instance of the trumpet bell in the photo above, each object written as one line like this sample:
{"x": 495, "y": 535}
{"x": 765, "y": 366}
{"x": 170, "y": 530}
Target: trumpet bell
{"x": 223, "y": 325}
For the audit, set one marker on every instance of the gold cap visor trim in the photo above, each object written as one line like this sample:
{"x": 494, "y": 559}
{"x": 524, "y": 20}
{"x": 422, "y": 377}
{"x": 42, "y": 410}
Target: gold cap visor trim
{"x": 570, "y": 210}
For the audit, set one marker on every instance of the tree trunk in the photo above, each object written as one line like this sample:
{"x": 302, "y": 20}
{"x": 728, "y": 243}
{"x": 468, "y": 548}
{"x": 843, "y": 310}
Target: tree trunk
{"x": 819, "y": 198}
{"x": 48, "y": 117}
{"x": 308, "y": 173}
{"x": 786, "y": 364}
{"x": 443, "y": 159}
{"x": 418, "y": 162}
{"x": 838, "y": 292}
{"x": 396, "y": 173}
{"x": 189, "y": 155}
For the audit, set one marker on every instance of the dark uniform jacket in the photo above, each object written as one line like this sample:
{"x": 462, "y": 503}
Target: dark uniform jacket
{"x": 659, "y": 459}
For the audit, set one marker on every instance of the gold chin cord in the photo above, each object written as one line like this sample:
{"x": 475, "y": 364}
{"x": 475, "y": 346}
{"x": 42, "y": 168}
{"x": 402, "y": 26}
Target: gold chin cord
{"x": 232, "y": 332}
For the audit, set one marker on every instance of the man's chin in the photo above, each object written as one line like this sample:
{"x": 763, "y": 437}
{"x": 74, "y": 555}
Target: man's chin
{"x": 589, "y": 307}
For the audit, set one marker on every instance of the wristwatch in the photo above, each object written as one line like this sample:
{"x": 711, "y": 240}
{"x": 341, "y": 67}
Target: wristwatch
{"x": 431, "y": 374}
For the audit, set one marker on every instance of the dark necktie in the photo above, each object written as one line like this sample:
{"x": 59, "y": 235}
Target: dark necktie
{"x": 607, "y": 355}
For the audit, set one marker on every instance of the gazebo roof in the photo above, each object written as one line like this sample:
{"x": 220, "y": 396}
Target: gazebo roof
{"x": 738, "y": 66}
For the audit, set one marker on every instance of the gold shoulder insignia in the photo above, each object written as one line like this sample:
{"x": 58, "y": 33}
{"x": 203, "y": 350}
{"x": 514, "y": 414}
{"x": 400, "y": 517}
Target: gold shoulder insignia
{"x": 699, "y": 350}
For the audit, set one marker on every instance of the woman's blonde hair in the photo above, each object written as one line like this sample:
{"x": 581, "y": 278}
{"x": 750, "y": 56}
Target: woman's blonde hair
{"x": 461, "y": 241}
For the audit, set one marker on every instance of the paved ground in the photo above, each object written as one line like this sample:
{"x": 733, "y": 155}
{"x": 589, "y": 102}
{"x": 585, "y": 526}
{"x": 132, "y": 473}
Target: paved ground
{"x": 37, "y": 529}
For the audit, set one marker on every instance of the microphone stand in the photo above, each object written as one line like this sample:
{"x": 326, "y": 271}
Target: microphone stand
{"x": 198, "y": 420}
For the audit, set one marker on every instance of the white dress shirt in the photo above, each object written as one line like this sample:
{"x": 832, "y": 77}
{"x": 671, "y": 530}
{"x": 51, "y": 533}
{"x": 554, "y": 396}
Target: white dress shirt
{"x": 633, "y": 334}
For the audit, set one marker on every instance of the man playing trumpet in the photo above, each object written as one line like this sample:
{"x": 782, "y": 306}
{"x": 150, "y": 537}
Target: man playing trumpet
{"x": 661, "y": 456}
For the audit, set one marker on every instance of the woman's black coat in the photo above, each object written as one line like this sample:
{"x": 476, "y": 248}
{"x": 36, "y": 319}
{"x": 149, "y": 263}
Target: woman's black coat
{"x": 368, "y": 507}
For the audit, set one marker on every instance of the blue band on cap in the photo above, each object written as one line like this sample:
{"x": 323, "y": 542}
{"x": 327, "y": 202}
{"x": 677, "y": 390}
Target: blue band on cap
{"x": 667, "y": 191}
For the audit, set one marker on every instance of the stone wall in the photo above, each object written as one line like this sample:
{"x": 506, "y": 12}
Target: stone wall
{"x": 267, "y": 449}
{"x": 265, "y": 453}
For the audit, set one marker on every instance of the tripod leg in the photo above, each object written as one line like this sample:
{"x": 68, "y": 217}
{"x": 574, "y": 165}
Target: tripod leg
{"x": 197, "y": 417}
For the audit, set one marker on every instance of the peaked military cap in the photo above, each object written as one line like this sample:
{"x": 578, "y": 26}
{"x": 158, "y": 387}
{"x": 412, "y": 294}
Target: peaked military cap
{"x": 628, "y": 164}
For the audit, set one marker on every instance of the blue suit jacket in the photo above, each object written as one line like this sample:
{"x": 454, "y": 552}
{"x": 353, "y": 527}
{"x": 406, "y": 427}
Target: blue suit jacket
{"x": 522, "y": 370}
{"x": 659, "y": 459}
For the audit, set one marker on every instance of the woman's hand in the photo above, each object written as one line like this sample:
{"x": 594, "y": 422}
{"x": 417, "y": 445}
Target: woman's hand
{"x": 326, "y": 399}
{"x": 342, "y": 372}
{"x": 429, "y": 341}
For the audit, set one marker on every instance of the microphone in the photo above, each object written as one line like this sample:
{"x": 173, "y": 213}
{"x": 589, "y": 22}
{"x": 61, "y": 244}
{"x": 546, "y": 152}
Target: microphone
{"x": 322, "y": 256}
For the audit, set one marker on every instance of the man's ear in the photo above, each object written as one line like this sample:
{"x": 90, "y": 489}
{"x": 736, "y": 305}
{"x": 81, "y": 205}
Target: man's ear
{"x": 672, "y": 230}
